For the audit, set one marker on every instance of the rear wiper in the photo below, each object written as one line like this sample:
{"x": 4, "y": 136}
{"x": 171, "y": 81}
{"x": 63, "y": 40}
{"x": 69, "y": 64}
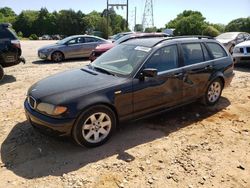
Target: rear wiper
{"x": 102, "y": 70}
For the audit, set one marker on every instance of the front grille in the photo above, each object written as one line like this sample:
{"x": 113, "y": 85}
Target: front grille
{"x": 247, "y": 49}
{"x": 32, "y": 102}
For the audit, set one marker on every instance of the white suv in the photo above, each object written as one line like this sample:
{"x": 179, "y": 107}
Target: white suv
{"x": 241, "y": 52}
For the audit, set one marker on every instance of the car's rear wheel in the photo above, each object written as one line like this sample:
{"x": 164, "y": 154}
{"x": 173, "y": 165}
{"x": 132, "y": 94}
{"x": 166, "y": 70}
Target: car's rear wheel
{"x": 1, "y": 72}
{"x": 213, "y": 92}
{"x": 57, "y": 56}
{"x": 94, "y": 127}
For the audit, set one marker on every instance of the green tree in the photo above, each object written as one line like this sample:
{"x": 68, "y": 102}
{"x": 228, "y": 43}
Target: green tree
{"x": 25, "y": 22}
{"x": 211, "y": 31}
{"x": 138, "y": 27}
{"x": 188, "y": 23}
{"x": 7, "y": 15}
{"x": 240, "y": 24}
{"x": 150, "y": 29}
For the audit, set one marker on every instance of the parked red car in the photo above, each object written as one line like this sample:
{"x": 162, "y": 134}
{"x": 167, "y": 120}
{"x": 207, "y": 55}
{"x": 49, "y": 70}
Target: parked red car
{"x": 100, "y": 49}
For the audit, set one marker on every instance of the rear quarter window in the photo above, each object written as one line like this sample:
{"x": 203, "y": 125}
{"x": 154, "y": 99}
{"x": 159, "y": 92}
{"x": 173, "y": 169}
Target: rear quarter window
{"x": 7, "y": 34}
{"x": 216, "y": 50}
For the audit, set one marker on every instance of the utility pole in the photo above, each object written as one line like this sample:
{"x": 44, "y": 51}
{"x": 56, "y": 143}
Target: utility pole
{"x": 117, "y": 5}
{"x": 135, "y": 19}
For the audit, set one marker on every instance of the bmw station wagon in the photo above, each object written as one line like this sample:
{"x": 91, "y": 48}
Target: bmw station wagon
{"x": 138, "y": 78}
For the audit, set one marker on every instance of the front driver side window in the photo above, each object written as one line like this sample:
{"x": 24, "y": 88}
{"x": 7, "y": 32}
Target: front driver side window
{"x": 164, "y": 59}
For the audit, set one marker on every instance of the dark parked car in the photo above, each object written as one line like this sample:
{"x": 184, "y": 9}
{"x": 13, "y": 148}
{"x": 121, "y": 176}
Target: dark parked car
{"x": 230, "y": 39}
{"x": 10, "y": 48}
{"x": 76, "y": 46}
{"x": 138, "y": 78}
{"x": 100, "y": 49}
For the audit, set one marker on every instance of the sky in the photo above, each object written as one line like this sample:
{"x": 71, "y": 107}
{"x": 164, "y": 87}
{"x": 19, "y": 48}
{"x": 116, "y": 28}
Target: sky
{"x": 215, "y": 11}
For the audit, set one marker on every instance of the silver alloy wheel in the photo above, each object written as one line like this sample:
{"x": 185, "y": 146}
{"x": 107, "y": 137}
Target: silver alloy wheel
{"x": 97, "y": 127}
{"x": 57, "y": 56}
{"x": 214, "y": 92}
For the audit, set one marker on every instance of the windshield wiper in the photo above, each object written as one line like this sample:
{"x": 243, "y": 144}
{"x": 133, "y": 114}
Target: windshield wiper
{"x": 102, "y": 70}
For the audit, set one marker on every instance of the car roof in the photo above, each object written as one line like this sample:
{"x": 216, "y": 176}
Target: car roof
{"x": 151, "y": 42}
{"x": 5, "y": 25}
{"x": 139, "y": 35}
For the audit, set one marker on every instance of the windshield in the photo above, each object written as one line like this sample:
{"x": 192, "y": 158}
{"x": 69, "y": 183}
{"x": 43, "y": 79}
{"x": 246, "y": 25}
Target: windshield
{"x": 122, "y": 59}
{"x": 63, "y": 41}
{"x": 227, "y": 36}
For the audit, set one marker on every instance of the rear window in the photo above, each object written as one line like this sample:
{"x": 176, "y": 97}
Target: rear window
{"x": 216, "y": 50}
{"x": 192, "y": 53}
{"x": 6, "y": 33}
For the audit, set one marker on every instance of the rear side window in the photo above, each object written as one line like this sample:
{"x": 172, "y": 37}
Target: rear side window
{"x": 6, "y": 34}
{"x": 164, "y": 59}
{"x": 90, "y": 39}
{"x": 216, "y": 50}
{"x": 192, "y": 53}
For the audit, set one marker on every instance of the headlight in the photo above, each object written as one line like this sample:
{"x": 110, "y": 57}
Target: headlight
{"x": 51, "y": 109}
{"x": 236, "y": 50}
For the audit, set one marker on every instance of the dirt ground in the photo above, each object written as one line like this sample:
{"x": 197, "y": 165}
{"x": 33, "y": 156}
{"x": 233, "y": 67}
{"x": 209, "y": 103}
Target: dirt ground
{"x": 190, "y": 147}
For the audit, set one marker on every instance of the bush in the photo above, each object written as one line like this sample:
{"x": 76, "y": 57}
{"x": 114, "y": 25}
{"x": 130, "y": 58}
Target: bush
{"x": 20, "y": 34}
{"x": 33, "y": 37}
{"x": 211, "y": 31}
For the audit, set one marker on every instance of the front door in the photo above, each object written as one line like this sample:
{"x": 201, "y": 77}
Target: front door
{"x": 165, "y": 89}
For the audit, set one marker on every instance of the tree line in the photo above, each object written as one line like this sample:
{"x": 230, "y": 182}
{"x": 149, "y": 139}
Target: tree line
{"x": 64, "y": 22}
{"x": 70, "y": 22}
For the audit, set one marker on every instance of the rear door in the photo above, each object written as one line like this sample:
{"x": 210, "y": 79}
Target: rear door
{"x": 89, "y": 45}
{"x": 197, "y": 69}
{"x": 162, "y": 91}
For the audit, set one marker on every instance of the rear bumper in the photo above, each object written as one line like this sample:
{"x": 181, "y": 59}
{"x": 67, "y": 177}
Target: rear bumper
{"x": 52, "y": 126}
{"x": 13, "y": 63}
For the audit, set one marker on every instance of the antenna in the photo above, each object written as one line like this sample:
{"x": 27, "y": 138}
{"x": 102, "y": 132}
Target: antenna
{"x": 148, "y": 15}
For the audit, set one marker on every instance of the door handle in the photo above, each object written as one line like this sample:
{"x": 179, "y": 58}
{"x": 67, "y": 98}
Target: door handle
{"x": 209, "y": 67}
{"x": 178, "y": 75}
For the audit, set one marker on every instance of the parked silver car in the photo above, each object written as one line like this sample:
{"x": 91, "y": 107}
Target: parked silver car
{"x": 71, "y": 47}
{"x": 230, "y": 39}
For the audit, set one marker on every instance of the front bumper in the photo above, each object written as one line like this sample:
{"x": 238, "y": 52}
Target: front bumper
{"x": 43, "y": 55}
{"x": 59, "y": 127}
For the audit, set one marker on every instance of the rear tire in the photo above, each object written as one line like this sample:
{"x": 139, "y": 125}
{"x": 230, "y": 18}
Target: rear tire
{"x": 1, "y": 72}
{"x": 213, "y": 92}
{"x": 95, "y": 126}
{"x": 57, "y": 56}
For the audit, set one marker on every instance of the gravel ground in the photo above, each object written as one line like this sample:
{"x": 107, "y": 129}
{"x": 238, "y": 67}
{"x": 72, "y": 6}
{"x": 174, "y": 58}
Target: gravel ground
{"x": 190, "y": 147}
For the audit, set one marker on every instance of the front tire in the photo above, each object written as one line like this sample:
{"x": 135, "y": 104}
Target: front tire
{"x": 57, "y": 56}
{"x": 94, "y": 127}
{"x": 213, "y": 92}
{"x": 1, "y": 73}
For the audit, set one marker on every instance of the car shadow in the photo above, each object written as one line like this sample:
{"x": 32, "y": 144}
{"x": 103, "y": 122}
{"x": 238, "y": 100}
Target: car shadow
{"x": 7, "y": 79}
{"x": 30, "y": 154}
{"x": 46, "y": 62}
{"x": 243, "y": 67}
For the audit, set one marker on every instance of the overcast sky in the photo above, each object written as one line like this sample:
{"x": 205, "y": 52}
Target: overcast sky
{"x": 216, "y": 11}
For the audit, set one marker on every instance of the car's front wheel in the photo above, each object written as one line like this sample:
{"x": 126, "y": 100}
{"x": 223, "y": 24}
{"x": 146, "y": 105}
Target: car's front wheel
{"x": 94, "y": 127}
{"x": 213, "y": 92}
{"x": 57, "y": 56}
{"x": 1, "y": 72}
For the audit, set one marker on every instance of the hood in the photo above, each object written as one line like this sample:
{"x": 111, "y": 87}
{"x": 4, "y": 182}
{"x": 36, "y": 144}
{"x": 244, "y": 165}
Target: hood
{"x": 244, "y": 44}
{"x": 224, "y": 41}
{"x": 105, "y": 47}
{"x": 68, "y": 85}
{"x": 49, "y": 46}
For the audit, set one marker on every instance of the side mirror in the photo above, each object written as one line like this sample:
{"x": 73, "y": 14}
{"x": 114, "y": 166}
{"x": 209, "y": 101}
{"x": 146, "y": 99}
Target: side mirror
{"x": 149, "y": 72}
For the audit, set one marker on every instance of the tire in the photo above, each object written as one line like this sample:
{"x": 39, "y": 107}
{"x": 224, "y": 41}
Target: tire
{"x": 213, "y": 92}
{"x": 1, "y": 73}
{"x": 94, "y": 127}
{"x": 57, "y": 56}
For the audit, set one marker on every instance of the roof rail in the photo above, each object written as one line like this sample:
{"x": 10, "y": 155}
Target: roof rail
{"x": 185, "y": 36}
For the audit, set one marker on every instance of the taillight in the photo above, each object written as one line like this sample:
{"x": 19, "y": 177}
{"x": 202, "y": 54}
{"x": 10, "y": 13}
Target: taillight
{"x": 16, "y": 43}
